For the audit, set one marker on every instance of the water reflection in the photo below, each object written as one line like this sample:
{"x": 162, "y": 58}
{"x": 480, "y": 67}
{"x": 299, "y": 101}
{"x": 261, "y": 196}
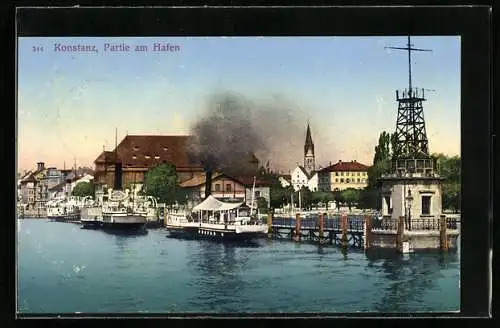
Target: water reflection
{"x": 220, "y": 267}
{"x": 408, "y": 278}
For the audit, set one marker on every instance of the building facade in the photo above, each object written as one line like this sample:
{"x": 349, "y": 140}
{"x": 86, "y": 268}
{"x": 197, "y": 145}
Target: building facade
{"x": 226, "y": 188}
{"x": 34, "y": 189}
{"x": 137, "y": 154}
{"x": 343, "y": 175}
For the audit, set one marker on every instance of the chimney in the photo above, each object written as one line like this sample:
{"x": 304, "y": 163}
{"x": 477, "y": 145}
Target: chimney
{"x": 208, "y": 182}
{"x": 118, "y": 176}
{"x": 40, "y": 166}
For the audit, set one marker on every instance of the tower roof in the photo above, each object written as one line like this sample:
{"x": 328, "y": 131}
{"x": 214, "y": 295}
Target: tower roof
{"x": 309, "y": 144}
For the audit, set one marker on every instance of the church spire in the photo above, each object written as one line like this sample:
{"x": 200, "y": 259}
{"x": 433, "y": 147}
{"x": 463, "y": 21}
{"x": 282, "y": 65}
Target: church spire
{"x": 309, "y": 160}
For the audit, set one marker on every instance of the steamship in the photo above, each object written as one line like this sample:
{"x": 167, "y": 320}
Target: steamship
{"x": 67, "y": 209}
{"x": 217, "y": 220}
{"x": 120, "y": 210}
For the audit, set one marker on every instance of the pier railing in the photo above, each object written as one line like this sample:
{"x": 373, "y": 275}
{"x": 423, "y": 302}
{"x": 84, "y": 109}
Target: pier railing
{"x": 356, "y": 223}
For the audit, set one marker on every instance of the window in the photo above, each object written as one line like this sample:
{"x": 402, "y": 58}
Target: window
{"x": 136, "y": 148}
{"x": 147, "y": 157}
{"x": 336, "y": 180}
{"x": 165, "y": 148}
{"x": 341, "y": 180}
{"x": 426, "y": 205}
{"x": 342, "y": 173}
{"x": 228, "y": 187}
{"x": 157, "y": 157}
{"x": 257, "y": 193}
{"x": 217, "y": 187}
{"x": 337, "y": 173}
{"x": 347, "y": 180}
{"x": 134, "y": 157}
{"x": 359, "y": 180}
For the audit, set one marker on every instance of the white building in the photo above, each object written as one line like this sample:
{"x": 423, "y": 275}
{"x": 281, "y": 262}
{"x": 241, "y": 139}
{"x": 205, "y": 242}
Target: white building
{"x": 300, "y": 178}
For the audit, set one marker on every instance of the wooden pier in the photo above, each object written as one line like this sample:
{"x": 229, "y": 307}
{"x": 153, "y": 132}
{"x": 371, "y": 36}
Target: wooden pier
{"x": 366, "y": 232}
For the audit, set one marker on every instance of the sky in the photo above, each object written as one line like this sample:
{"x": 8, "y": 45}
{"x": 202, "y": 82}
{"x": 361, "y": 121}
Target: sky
{"x": 70, "y": 102}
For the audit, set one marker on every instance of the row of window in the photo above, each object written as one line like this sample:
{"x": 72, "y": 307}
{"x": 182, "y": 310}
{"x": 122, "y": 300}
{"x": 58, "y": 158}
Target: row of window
{"x": 228, "y": 187}
{"x": 217, "y": 188}
{"x": 146, "y": 157}
{"x": 351, "y": 174}
{"x": 136, "y": 148}
{"x": 347, "y": 180}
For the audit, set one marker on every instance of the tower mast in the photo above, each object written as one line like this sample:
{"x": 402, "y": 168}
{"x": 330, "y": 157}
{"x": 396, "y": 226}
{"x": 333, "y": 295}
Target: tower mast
{"x": 411, "y": 138}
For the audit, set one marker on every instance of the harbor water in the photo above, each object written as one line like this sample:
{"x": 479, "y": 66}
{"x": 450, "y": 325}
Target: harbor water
{"x": 65, "y": 269}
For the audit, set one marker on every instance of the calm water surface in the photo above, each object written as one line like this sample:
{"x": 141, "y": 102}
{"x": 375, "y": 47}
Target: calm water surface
{"x": 62, "y": 268}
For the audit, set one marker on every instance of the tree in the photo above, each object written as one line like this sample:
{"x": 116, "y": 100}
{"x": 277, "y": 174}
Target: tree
{"x": 337, "y": 197}
{"x": 280, "y": 195}
{"x": 449, "y": 169}
{"x": 322, "y": 197}
{"x": 350, "y": 196}
{"x": 162, "y": 182}
{"x": 262, "y": 203}
{"x": 384, "y": 151}
{"x": 83, "y": 189}
{"x": 305, "y": 197}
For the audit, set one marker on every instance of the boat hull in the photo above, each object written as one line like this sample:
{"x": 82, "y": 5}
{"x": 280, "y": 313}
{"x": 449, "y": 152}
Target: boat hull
{"x": 127, "y": 222}
{"x": 91, "y": 224}
{"x": 220, "y": 235}
{"x": 182, "y": 232}
{"x": 65, "y": 218}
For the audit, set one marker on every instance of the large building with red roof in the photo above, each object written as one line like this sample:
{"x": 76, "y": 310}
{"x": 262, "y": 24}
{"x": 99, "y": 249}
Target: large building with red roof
{"x": 139, "y": 153}
{"x": 343, "y": 175}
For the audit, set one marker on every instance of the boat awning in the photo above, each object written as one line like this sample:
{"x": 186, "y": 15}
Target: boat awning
{"x": 213, "y": 204}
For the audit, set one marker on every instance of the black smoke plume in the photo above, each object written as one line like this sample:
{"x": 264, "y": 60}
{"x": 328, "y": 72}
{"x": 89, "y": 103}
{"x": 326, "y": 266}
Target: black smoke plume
{"x": 225, "y": 138}
{"x": 233, "y": 128}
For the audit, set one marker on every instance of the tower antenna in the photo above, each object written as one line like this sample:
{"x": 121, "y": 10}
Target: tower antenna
{"x": 409, "y": 49}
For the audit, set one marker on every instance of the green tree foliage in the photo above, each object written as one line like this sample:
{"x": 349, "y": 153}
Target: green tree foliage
{"x": 162, "y": 182}
{"x": 280, "y": 195}
{"x": 262, "y": 203}
{"x": 305, "y": 198}
{"x": 323, "y": 197}
{"x": 384, "y": 151}
{"x": 83, "y": 189}
{"x": 449, "y": 169}
{"x": 350, "y": 197}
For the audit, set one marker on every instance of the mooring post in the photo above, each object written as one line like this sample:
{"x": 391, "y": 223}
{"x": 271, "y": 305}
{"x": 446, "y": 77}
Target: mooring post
{"x": 297, "y": 227}
{"x": 400, "y": 233}
{"x": 343, "y": 223}
{"x": 269, "y": 223}
{"x": 165, "y": 216}
{"x": 320, "y": 223}
{"x": 443, "y": 240}
{"x": 368, "y": 232}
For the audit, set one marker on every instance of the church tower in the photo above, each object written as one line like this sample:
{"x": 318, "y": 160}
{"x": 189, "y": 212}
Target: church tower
{"x": 309, "y": 161}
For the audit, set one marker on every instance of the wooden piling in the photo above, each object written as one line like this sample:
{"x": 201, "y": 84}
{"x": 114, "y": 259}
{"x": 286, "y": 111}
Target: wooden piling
{"x": 269, "y": 223}
{"x": 297, "y": 227}
{"x": 368, "y": 232}
{"x": 320, "y": 224}
{"x": 443, "y": 239}
{"x": 400, "y": 233}
{"x": 343, "y": 224}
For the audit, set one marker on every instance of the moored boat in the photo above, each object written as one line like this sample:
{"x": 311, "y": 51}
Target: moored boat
{"x": 118, "y": 213}
{"x": 65, "y": 209}
{"x": 217, "y": 220}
